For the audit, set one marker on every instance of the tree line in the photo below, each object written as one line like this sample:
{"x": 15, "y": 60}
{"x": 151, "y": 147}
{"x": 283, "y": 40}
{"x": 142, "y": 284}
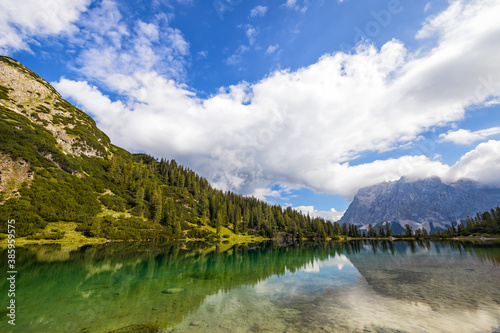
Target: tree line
{"x": 485, "y": 223}
{"x": 157, "y": 199}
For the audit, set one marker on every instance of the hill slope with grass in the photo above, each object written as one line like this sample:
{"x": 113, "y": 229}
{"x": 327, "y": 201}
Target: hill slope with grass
{"x": 57, "y": 167}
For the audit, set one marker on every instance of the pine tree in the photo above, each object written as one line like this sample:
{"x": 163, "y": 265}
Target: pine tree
{"x": 408, "y": 230}
{"x": 345, "y": 230}
{"x": 219, "y": 223}
{"x": 381, "y": 231}
{"x": 388, "y": 230}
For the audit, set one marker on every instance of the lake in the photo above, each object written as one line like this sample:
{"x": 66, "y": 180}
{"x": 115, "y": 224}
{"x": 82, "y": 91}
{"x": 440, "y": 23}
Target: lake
{"x": 356, "y": 286}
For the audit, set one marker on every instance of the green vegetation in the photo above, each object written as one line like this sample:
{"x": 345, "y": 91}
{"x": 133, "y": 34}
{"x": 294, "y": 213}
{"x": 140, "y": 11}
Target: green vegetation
{"x": 57, "y": 232}
{"x": 132, "y": 197}
{"x": 123, "y": 196}
{"x": 22, "y": 138}
{"x": 175, "y": 277}
{"x": 483, "y": 224}
{"x": 4, "y": 91}
{"x": 384, "y": 230}
{"x": 486, "y": 224}
{"x": 118, "y": 195}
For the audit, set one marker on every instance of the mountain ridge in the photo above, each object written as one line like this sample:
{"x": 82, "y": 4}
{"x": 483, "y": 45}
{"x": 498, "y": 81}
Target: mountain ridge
{"x": 428, "y": 203}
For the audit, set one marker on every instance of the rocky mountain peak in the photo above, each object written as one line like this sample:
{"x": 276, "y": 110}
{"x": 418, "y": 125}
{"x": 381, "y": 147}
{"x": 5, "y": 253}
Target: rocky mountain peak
{"x": 428, "y": 203}
{"x": 25, "y": 93}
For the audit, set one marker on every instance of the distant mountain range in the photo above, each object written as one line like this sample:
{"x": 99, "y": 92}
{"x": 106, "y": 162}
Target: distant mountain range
{"x": 427, "y": 203}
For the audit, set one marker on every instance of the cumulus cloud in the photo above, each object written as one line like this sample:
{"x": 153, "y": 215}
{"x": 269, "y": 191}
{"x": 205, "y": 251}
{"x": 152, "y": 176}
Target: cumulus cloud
{"x": 22, "y": 23}
{"x": 264, "y": 193}
{"x": 467, "y": 137}
{"x": 306, "y": 127}
{"x": 331, "y": 214}
{"x": 106, "y": 111}
{"x": 481, "y": 164}
{"x": 258, "y": 11}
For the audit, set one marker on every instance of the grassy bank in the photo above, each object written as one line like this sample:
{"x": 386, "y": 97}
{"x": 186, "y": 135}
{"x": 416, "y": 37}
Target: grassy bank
{"x": 56, "y": 233}
{"x": 65, "y": 232}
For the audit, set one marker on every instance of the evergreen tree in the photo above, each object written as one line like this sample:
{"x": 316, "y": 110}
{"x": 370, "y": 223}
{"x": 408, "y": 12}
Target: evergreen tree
{"x": 381, "y": 231}
{"x": 345, "y": 229}
{"x": 388, "y": 230}
{"x": 408, "y": 230}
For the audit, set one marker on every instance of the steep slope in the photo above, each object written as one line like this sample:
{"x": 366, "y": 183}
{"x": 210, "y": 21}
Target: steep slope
{"x": 28, "y": 95}
{"x": 427, "y": 203}
{"x": 57, "y": 166}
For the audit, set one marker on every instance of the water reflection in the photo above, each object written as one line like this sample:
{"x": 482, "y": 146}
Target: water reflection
{"x": 349, "y": 286}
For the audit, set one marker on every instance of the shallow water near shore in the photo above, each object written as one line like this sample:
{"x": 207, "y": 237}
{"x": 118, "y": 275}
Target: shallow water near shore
{"x": 329, "y": 287}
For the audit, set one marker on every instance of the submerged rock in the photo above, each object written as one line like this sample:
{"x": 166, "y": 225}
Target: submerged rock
{"x": 142, "y": 328}
{"x": 197, "y": 323}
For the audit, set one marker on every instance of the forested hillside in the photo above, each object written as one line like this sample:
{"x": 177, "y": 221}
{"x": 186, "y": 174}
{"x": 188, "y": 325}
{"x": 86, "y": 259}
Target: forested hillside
{"x": 485, "y": 223}
{"x": 58, "y": 166}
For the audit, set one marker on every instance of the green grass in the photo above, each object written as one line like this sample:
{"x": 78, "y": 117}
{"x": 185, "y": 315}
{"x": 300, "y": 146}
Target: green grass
{"x": 66, "y": 228}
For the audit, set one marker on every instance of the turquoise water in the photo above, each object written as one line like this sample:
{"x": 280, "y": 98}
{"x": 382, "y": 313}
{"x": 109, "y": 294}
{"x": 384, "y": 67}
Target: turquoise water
{"x": 332, "y": 287}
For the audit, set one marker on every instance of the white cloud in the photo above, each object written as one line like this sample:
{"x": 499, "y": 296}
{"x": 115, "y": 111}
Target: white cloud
{"x": 235, "y": 58}
{"x": 263, "y": 193}
{"x": 492, "y": 102}
{"x": 304, "y": 127}
{"x": 467, "y": 137}
{"x": 344, "y": 179}
{"x": 294, "y": 4}
{"x": 108, "y": 113}
{"x": 21, "y": 23}
{"x": 481, "y": 164}
{"x": 251, "y": 33}
{"x": 331, "y": 214}
{"x": 113, "y": 54}
{"x": 258, "y": 11}
{"x": 202, "y": 54}
{"x": 272, "y": 48}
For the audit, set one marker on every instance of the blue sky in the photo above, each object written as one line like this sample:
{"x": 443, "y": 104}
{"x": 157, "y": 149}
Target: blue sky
{"x": 298, "y": 102}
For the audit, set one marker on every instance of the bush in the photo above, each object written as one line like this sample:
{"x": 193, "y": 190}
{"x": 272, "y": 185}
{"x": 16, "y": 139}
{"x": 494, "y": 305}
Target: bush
{"x": 185, "y": 225}
{"x": 54, "y": 235}
{"x": 200, "y": 233}
{"x": 113, "y": 202}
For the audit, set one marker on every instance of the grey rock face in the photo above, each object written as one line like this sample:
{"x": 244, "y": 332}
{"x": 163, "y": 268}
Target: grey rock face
{"x": 427, "y": 203}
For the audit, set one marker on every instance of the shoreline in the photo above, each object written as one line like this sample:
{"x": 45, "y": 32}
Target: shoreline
{"x": 22, "y": 241}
